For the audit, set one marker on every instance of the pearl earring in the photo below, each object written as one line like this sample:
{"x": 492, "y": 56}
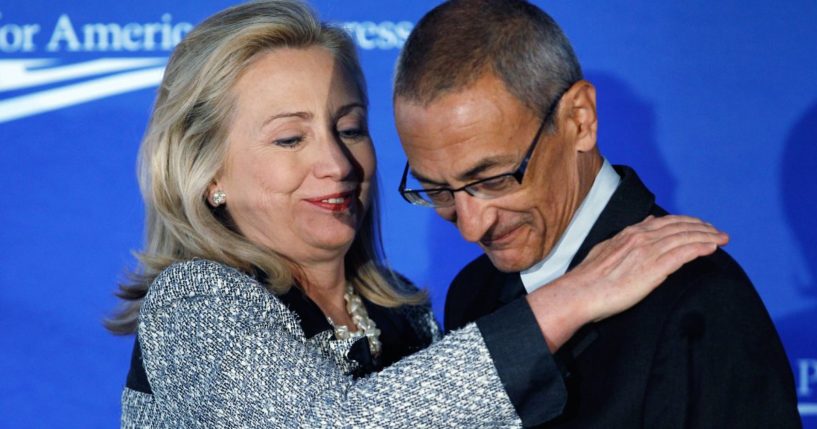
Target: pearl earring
{"x": 218, "y": 198}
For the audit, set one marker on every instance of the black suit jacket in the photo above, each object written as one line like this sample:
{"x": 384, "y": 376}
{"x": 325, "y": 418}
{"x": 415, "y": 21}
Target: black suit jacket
{"x": 698, "y": 352}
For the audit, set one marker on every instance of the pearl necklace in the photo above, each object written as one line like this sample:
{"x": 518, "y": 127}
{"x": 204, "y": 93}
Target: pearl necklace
{"x": 365, "y": 326}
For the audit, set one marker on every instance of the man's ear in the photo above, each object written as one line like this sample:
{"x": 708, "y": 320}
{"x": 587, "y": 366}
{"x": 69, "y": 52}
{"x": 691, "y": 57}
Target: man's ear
{"x": 581, "y": 115}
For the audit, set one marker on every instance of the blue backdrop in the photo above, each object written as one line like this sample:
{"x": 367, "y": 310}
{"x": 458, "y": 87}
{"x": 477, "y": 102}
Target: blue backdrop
{"x": 713, "y": 102}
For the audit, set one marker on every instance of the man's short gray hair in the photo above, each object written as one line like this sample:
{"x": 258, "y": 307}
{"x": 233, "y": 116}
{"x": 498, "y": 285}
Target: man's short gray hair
{"x": 460, "y": 40}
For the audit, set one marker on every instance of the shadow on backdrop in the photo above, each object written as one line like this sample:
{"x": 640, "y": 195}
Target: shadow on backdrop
{"x": 799, "y": 192}
{"x": 627, "y": 135}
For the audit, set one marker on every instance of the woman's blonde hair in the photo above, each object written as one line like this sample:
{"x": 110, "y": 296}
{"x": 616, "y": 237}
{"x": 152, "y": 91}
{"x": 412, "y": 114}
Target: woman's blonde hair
{"x": 185, "y": 147}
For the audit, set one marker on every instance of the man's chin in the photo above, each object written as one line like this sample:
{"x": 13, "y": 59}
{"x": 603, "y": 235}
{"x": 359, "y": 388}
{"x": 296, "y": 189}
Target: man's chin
{"x": 510, "y": 261}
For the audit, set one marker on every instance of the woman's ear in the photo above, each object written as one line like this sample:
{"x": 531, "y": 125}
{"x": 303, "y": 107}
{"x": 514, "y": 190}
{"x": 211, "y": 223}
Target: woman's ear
{"x": 215, "y": 195}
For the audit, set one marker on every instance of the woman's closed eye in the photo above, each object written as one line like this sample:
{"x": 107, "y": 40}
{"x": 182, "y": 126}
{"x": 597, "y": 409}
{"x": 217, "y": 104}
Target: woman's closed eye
{"x": 353, "y": 134}
{"x": 288, "y": 142}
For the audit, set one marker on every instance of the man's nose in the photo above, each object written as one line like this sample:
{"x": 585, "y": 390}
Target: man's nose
{"x": 472, "y": 216}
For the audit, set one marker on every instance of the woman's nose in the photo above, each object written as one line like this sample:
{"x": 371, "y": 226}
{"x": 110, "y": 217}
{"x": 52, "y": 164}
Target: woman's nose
{"x": 334, "y": 160}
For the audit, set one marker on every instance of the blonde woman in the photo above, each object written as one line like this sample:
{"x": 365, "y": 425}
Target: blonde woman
{"x": 261, "y": 300}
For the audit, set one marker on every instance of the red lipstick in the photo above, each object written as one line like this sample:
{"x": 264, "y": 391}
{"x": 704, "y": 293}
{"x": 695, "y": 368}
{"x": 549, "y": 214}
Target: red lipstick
{"x": 337, "y": 202}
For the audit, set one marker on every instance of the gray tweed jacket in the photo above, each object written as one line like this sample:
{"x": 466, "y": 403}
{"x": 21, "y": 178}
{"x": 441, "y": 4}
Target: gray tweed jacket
{"x": 219, "y": 350}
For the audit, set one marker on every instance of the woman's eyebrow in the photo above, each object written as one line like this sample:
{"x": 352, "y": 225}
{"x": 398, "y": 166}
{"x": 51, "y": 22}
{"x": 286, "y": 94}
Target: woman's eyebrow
{"x": 302, "y": 115}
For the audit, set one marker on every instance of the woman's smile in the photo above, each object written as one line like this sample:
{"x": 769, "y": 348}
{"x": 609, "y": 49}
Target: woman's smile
{"x": 338, "y": 202}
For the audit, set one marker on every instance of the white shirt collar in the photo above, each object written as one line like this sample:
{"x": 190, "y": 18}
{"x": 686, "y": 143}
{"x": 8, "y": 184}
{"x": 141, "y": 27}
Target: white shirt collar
{"x": 555, "y": 264}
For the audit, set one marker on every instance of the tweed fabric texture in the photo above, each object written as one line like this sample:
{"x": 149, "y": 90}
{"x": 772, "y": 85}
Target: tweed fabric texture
{"x": 221, "y": 351}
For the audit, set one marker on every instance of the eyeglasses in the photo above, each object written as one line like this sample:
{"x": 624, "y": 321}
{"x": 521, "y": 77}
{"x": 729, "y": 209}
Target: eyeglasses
{"x": 487, "y": 188}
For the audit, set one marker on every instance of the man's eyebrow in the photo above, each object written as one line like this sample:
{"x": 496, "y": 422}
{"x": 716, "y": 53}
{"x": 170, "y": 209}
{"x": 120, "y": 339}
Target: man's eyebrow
{"x": 471, "y": 174}
{"x": 426, "y": 180}
{"x": 474, "y": 172}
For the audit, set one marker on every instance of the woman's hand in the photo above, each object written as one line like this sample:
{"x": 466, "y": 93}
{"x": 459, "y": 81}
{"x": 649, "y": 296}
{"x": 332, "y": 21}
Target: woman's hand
{"x": 620, "y": 272}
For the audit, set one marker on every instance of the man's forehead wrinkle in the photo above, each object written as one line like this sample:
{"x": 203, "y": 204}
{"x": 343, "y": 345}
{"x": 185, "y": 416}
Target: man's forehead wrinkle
{"x": 484, "y": 164}
{"x": 463, "y": 135}
{"x": 473, "y": 114}
{"x": 471, "y": 106}
{"x": 462, "y": 169}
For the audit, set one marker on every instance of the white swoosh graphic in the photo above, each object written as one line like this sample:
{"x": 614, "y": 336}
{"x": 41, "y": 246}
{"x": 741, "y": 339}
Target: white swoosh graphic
{"x": 52, "y": 99}
{"x": 15, "y": 74}
{"x": 807, "y": 409}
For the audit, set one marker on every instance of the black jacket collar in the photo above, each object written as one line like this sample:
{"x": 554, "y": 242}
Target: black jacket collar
{"x": 630, "y": 204}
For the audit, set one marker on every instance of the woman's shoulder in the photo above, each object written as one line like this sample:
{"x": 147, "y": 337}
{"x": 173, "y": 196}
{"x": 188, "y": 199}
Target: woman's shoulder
{"x": 209, "y": 293}
{"x": 197, "y": 279}
{"x": 197, "y": 268}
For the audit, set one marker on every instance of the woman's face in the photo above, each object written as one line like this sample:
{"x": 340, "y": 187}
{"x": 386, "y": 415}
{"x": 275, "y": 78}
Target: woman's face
{"x": 299, "y": 159}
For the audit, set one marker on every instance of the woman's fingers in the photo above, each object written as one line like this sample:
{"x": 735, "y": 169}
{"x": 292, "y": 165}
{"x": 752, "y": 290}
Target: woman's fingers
{"x": 620, "y": 272}
{"x": 651, "y": 222}
{"x": 638, "y": 259}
